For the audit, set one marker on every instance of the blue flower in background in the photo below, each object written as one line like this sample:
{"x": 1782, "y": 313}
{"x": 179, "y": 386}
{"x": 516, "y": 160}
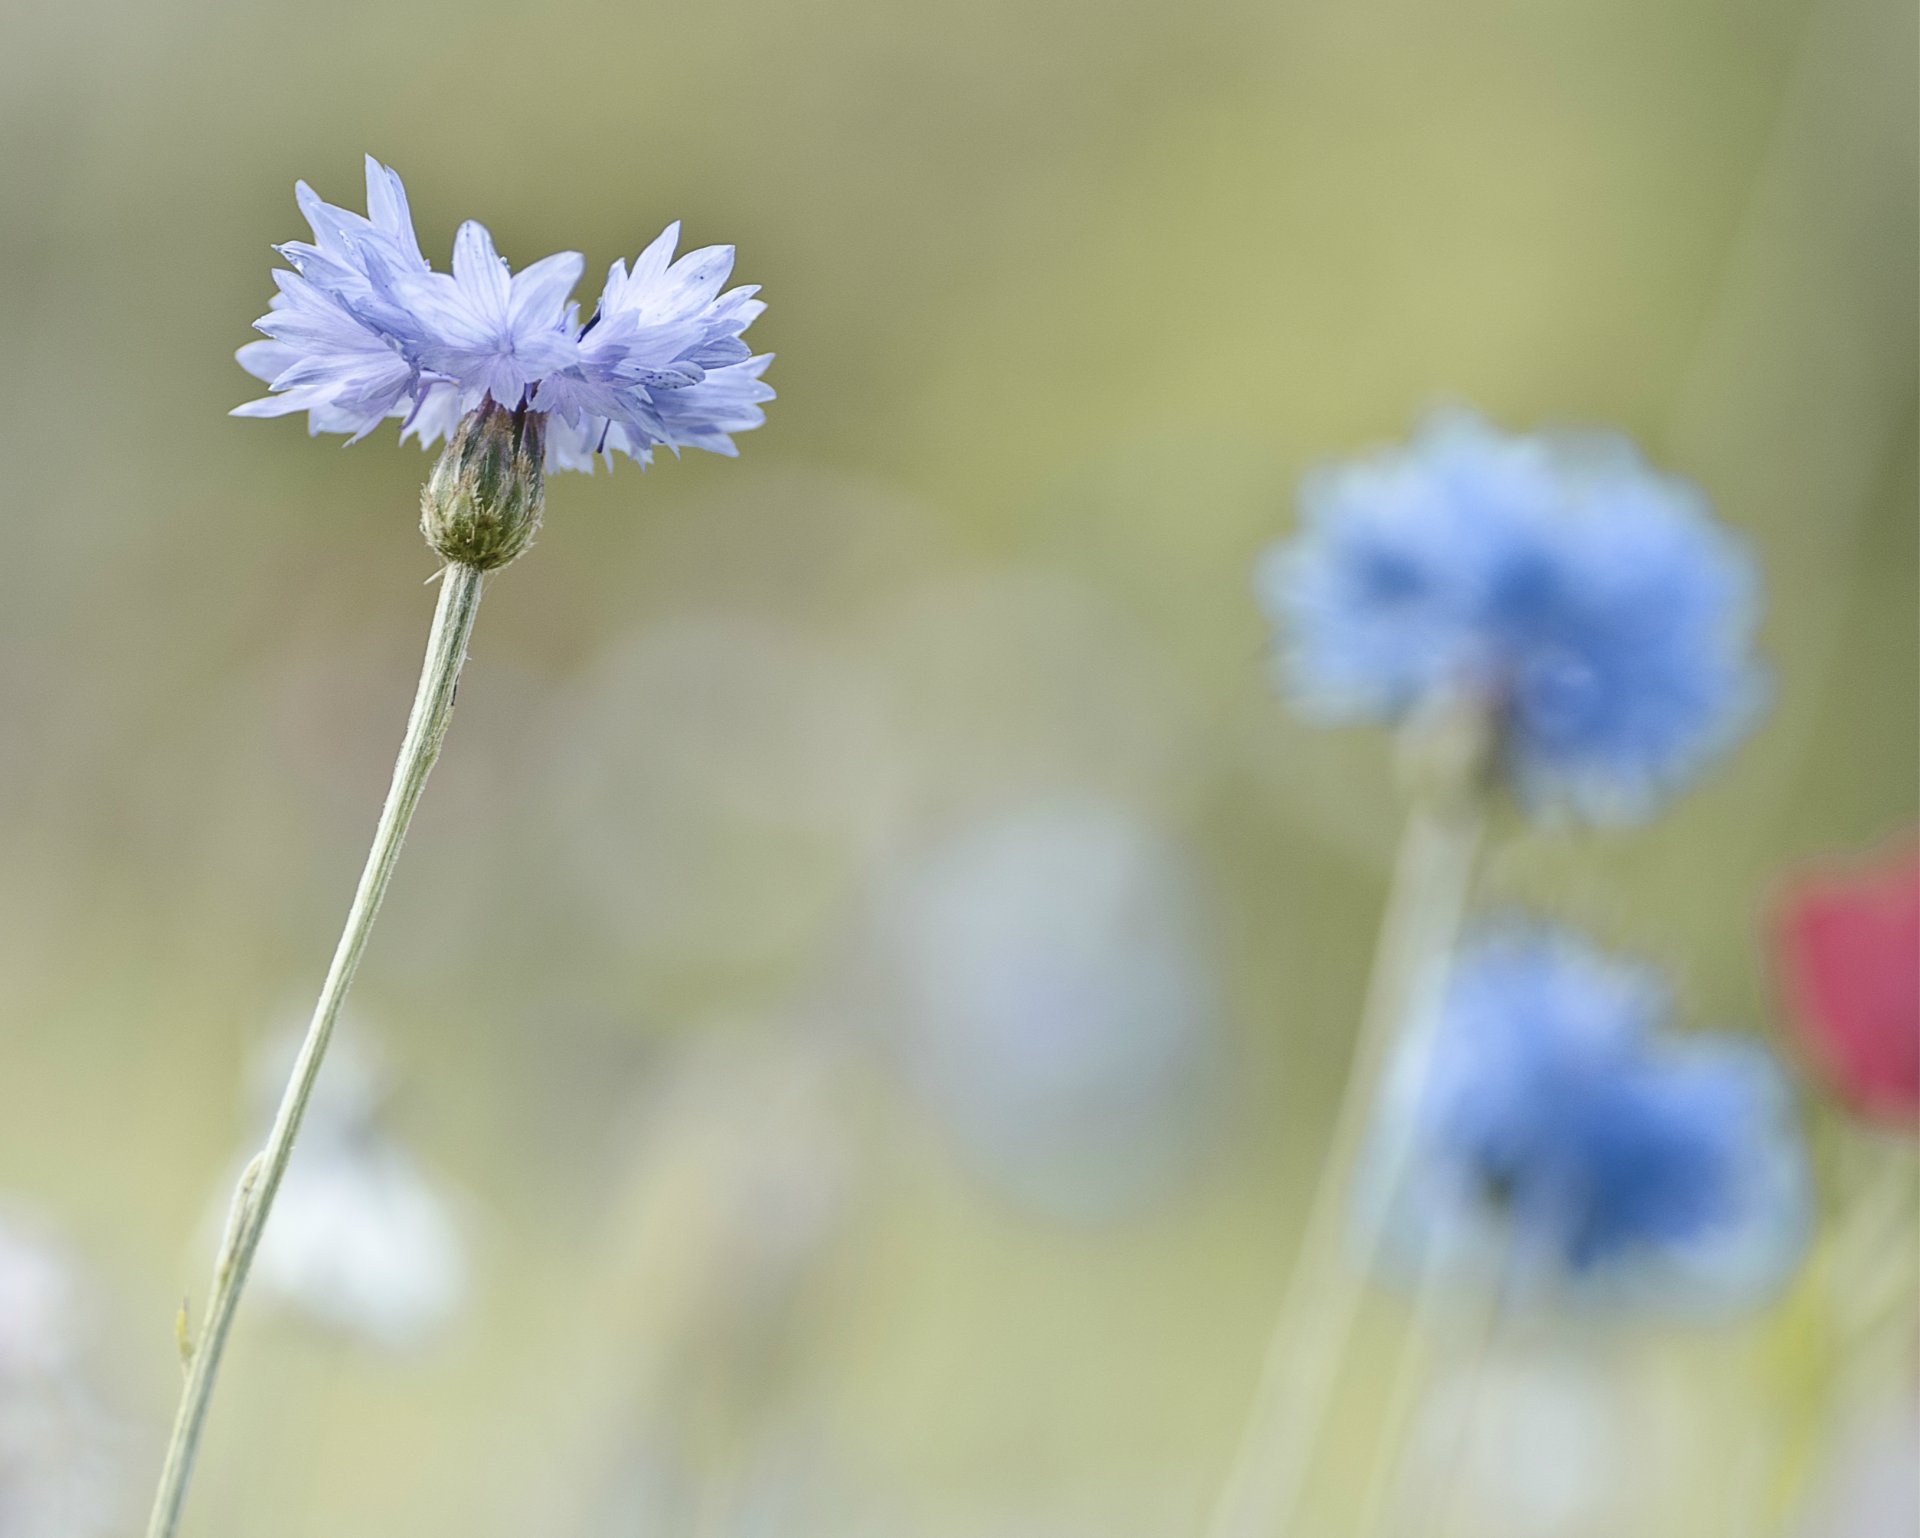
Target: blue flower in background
{"x": 1549, "y": 1130}
{"x": 363, "y": 329}
{"x": 1590, "y": 604}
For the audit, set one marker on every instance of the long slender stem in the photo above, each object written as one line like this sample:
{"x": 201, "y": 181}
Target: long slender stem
{"x": 1431, "y": 1506}
{"x": 426, "y": 728}
{"x": 1411, "y": 1375}
{"x": 1424, "y": 908}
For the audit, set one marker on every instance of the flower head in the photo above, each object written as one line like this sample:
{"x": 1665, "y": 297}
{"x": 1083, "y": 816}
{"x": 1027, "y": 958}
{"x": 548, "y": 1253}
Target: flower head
{"x": 363, "y": 329}
{"x": 1550, "y": 1130}
{"x": 1848, "y": 950}
{"x": 1588, "y": 605}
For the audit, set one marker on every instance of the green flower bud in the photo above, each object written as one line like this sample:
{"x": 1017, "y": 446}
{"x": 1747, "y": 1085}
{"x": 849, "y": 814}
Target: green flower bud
{"x": 481, "y": 505}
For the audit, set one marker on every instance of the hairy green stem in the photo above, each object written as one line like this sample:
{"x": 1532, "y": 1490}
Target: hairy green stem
{"x": 426, "y": 728}
{"x": 1265, "y": 1486}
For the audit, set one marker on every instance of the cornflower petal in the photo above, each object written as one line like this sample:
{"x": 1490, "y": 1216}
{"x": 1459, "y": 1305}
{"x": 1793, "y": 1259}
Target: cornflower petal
{"x": 363, "y": 329}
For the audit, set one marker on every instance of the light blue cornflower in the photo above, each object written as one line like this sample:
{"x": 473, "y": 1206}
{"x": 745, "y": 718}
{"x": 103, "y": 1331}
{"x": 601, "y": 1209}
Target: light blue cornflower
{"x": 363, "y": 329}
{"x": 1550, "y": 1133}
{"x": 1590, "y": 605}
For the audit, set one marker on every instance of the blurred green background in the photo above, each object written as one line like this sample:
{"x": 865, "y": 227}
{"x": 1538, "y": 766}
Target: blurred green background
{"x": 1065, "y": 297}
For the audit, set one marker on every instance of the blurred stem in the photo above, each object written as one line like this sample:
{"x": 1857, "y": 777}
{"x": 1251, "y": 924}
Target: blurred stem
{"x": 1388, "y": 1473}
{"x": 1425, "y": 905}
{"x": 1871, "y": 1268}
{"x": 426, "y": 728}
{"x": 1428, "y": 1503}
{"x": 1417, "y": 1476}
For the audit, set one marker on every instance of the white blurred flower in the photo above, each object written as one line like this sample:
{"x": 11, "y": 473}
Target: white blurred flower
{"x": 58, "y": 1473}
{"x": 1054, "y": 1001}
{"x": 1873, "y": 1489}
{"x": 1554, "y": 1439}
{"x": 361, "y": 1238}
{"x": 36, "y": 1305}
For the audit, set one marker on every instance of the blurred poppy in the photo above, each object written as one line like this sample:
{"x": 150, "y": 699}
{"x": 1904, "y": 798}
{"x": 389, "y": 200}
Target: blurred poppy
{"x": 1847, "y": 946}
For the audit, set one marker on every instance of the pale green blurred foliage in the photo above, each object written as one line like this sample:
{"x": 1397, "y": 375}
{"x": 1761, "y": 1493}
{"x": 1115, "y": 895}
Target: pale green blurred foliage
{"x": 1064, "y": 297}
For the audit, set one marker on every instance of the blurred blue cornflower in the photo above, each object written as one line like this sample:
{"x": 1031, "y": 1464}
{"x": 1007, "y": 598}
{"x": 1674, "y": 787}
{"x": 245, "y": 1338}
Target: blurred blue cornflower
{"x": 1547, "y": 1132}
{"x": 1591, "y": 605}
{"x": 364, "y": 329}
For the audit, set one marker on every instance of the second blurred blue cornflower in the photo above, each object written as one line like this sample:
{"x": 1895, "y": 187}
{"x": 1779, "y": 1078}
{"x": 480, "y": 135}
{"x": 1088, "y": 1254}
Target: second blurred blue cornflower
{"x": 1547, "y": 1130}
{"x": 1588, "y": 604}
{"x": 363, "y": 329}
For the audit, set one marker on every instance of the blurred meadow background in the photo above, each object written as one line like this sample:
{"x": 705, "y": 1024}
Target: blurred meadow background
{"x": 849, "y": 1044}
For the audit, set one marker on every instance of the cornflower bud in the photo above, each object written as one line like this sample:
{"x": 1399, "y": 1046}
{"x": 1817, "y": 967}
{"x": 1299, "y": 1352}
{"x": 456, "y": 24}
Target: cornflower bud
{"x": 481, "y": 505}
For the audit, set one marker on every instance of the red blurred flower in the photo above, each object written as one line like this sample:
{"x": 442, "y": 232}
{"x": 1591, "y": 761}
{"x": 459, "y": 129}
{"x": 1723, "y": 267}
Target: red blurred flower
{"x": 1847, "y": 944}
